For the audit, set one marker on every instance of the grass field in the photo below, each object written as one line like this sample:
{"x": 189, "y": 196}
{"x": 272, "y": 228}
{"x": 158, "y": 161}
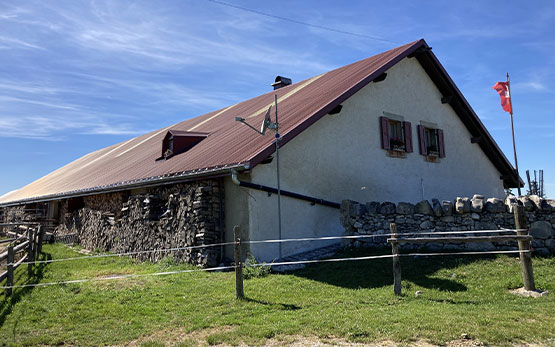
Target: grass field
{"x": 351, "y": 301}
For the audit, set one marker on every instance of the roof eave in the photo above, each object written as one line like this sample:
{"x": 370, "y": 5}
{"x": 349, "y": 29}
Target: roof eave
{"x": 140, "y": 183}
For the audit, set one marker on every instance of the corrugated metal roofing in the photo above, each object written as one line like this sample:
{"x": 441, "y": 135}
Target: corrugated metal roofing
{"x": 228, "y": 144}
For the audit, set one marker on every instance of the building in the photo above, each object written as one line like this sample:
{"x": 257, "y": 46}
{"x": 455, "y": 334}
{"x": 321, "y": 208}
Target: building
{"x": 392, "y": 127}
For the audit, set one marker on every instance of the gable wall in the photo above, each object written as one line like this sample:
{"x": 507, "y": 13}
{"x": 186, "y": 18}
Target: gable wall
{"x": 340, "y": 157}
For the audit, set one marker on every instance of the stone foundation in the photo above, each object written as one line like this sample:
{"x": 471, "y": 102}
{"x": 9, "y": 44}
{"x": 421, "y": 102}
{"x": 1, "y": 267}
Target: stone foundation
{"x": 464, "y": 214}
{"x": 162, "y": 217}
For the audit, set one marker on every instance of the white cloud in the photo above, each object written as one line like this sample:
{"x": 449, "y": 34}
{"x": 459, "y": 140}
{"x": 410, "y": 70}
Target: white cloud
{"x": 10, "y": 42}
{"x": 529, "y": 85}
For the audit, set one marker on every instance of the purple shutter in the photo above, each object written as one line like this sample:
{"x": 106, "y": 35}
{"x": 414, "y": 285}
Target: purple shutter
{"x": 408, "y": 136}
{"x": 422, "y": 140}
{"x": 441, "y": 143}
{"x": 384, "y": 127}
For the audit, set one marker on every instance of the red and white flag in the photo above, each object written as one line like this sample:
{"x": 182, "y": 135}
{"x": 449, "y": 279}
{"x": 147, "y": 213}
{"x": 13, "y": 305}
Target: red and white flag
{"x": 505, "y": 94}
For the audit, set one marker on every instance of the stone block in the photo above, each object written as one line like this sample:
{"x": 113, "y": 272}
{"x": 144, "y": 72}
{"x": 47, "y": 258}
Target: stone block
{"x": 447, "y": 207}
{"x": 426, "y": 225}
{"x": 373, "y": 207}
{"x": 424, "y": 207}
{"x": 494, "y": 205}
{"x": 462, "y": 205}
{"x": 538, "y": 201}
{"x": 549, "y": 205}
{"x": 527, "y": 203}
{"x": 475, "y": 216}
{"x": 477, "y": 203}
{"x": 436, "y": 206}
{"x": 541, "y": 230}
{"x": 387, "y": 208}
{"x": 405, "y": 208}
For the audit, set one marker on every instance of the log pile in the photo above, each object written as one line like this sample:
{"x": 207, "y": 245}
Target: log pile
{"x": 164, "y": 217}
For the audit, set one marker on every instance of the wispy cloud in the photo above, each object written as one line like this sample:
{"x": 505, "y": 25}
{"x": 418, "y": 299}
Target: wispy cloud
{"x": 529, "y": 85}
{"x": 9, "y": 42}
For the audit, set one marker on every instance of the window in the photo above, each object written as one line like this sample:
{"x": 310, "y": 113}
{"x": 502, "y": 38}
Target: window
{"x": 396, "y": 135}
{"x": 178, "y": 141}
{"x": 430, "y": 140}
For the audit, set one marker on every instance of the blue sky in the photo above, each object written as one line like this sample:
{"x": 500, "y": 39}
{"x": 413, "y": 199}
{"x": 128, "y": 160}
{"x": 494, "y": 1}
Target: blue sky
{"x": 77, "y": 76}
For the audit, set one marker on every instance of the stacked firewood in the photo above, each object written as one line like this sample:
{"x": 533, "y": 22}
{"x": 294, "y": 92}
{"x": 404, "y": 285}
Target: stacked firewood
{"x": 165, "y": 217}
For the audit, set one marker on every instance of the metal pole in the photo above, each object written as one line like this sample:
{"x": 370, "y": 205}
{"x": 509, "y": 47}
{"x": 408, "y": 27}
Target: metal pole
{"x": 513, "y": 131}
{"x": 278, "y": 184}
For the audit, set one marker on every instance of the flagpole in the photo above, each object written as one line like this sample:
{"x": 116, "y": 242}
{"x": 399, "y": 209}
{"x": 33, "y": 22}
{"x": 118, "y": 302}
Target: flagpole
{"x": 513, "y": 131}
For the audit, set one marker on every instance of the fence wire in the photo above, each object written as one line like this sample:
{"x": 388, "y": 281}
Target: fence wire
{"x": 222, "y": 268}
{"x": 324, "y": 238}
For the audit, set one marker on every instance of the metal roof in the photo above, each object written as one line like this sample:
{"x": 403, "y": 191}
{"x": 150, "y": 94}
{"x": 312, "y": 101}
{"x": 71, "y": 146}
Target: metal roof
{"x": 231, "y": 144}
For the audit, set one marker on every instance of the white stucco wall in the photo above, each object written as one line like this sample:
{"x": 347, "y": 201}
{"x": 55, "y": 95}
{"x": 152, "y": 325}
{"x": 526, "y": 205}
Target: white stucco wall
{"x": 340, "y": 157}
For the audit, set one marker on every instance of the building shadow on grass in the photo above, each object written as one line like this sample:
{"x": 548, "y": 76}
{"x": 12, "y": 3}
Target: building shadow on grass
{"x": 7, "y": 303}
{"x": 378, "y": 273}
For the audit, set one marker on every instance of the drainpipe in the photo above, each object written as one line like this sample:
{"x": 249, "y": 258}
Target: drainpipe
{"x": 271, "y": 190}
{"x": 234, "y": 177}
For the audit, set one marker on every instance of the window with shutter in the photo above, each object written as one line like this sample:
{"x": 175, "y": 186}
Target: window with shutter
{"x": 396, "y": 136}
{"x": 431, "y": 142}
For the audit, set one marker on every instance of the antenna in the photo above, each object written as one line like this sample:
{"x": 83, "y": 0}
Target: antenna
{"x": 267, "y": 122}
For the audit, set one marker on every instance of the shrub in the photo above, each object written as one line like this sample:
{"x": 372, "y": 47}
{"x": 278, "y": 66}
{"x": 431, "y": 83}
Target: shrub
{"x": 254, "y": 269}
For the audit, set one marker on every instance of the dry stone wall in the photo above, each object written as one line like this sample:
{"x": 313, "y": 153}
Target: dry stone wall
{"x": 162, "y": 217}
{"x": 464, "y": 214}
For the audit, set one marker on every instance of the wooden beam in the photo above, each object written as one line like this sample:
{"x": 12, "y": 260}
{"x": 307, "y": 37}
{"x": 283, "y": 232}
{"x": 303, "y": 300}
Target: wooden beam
{"x": 447, "y": 99}
{"x": 336, "y": 109}
{"x": 476, "y": 139}
{"x": 380, "y": 78}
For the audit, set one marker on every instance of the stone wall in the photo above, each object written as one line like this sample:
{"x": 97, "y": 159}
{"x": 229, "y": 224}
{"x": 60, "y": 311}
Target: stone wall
{"x": 465, "y": 214}
{"x": 159, "y": 218}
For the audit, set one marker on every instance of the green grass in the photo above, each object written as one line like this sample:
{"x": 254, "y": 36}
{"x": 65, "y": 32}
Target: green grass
{"x": 349, "y": 300}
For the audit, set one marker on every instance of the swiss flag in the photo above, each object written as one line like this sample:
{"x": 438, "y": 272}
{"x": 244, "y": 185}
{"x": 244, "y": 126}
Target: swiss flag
{"x": 505, "y": 94}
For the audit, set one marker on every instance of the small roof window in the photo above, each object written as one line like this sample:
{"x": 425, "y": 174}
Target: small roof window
{"x": 179, "y": 141}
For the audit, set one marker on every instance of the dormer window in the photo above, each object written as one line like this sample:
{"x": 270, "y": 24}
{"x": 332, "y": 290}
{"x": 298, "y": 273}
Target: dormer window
{"x": 178, "y": 141}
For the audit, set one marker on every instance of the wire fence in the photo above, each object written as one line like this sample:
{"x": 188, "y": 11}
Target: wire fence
{"x": 239, "y": 264}
{"x": 250, "y": 242}
{"x": 230, "y": 267}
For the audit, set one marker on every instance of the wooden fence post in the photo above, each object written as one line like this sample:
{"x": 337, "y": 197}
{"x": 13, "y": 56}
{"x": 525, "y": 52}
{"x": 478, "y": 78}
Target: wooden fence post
{"x": 30, "y": 251}
{"x": 396, "y": 261}
{"x": 521, "y": 225}
{"x": 238, "y": 264}
{"x": 9, "y": 282}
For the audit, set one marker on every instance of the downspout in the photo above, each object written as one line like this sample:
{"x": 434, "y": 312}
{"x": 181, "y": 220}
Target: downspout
{"x": 267, "y": 189}
{"x": 234, "y": 177}
{"x": 221, "y": 205}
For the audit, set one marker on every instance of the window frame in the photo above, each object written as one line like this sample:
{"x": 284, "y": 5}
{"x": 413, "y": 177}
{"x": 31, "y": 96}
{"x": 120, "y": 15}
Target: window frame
{"x": 396, "y": 135}
{"x": 430, "y": 135}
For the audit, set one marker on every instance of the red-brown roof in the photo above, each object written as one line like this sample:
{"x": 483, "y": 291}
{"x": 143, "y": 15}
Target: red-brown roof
{"x": 231, "y": 144}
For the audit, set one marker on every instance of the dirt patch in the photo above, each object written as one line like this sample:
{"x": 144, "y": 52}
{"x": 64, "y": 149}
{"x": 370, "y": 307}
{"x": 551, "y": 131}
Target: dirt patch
{"x": 179, "y": 336}
{"x": 529, "y": 293}
{"x": 199, "y": 338}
